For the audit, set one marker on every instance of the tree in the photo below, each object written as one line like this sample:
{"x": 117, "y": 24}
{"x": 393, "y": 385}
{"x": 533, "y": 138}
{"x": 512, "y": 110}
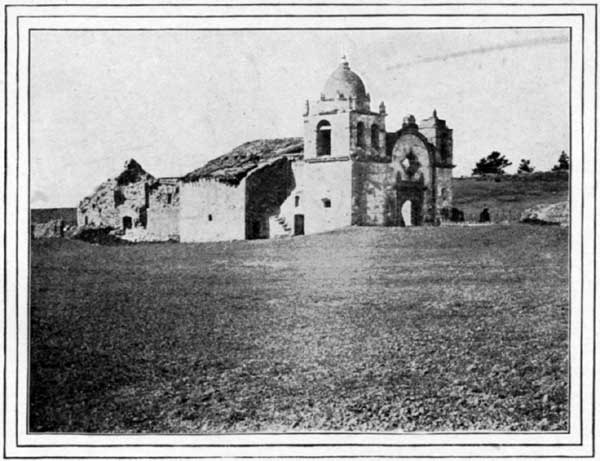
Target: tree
{"x": 525, "y": 167}
{"x": 492, "y": 164}
{"x": 563, "y": 162}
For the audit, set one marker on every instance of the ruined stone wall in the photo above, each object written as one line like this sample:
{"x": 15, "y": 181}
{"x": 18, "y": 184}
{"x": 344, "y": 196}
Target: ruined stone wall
{"x": 111, "y": 203}
{"x": 118, "y": 198}
{"x": 266, "y": 190}
{"x": 135, "y": 198}
{"x": 444, "y": 188}
{"x": 373, "y": 194}
{"x": 212, "y": 211}
{"x": 164, "y": 195}
{"x": 99, "y": 208}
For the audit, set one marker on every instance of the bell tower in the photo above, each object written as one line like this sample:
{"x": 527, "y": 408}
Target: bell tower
{"x": 340, "y": 122}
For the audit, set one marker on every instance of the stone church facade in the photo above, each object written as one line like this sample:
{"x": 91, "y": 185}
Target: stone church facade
{"x": 348, "y": 169}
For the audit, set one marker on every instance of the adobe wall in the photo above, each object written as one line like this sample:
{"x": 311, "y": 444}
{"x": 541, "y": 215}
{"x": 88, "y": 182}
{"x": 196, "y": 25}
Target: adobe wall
{"x": 266, "y": 190}
{"x": 211, "y": 211}
{"x": 163, "y": 223}
{"x": 316, "y": 180}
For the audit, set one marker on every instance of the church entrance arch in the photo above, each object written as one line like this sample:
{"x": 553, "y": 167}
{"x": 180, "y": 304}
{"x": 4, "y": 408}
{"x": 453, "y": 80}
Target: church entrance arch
{"x": 409, "y": 199}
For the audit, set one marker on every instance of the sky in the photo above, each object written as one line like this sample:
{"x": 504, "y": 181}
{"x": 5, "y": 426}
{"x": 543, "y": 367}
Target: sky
{"x": 175, "y": 99}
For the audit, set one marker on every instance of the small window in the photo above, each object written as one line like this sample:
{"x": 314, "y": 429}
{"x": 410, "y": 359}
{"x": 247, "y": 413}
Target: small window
{"x": 169, "y": 199}
{"x": 297, "y": 201}
{"x": 326, "y": 203}
{"x": 86, "y": 220}
{"x": 210, "y": 217}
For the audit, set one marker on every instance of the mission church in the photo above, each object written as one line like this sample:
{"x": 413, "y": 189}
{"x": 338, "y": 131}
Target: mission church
{"x": 348, "y": 169}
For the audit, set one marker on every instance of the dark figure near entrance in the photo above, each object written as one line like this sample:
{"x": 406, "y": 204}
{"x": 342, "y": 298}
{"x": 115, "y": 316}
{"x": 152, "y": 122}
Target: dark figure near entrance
{"x": 452, "y": 214}
{"x": 457, "y": 215}
{"x": 484, "y": 216}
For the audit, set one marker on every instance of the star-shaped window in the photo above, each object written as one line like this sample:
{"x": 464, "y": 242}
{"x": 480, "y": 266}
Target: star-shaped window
{"x": 410, "y": 164}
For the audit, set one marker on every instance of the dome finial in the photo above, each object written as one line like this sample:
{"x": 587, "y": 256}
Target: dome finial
{"x": 343, "y": 59}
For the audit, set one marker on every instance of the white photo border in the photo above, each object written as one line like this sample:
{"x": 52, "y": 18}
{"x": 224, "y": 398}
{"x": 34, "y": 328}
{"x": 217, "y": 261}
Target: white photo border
{"x": 21, "y": 20}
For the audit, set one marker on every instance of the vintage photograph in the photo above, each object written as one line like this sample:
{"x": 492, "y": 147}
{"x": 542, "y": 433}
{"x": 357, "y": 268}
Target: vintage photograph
{"x": 264, "y": 231}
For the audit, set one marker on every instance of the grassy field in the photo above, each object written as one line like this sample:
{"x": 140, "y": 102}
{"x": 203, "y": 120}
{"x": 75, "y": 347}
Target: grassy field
{"x": 399, "y": 329}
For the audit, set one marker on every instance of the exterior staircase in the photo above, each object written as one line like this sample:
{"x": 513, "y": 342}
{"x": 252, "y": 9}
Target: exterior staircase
{"x": 284, "y": 225}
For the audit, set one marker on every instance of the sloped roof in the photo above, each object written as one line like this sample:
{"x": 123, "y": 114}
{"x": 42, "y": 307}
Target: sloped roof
{"x": 234, "y": 166}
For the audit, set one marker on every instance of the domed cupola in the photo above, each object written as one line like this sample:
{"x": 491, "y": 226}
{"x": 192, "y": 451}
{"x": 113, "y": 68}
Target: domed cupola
{"x": 345, "y": 84}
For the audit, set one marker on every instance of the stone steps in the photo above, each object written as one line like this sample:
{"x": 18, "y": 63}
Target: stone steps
{"x": 283, "y": 223}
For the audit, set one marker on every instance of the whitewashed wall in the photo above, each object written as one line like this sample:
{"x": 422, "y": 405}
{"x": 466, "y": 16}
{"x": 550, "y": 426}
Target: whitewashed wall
{"x": 315, "y": 182}
{"x": 224, "y": 203}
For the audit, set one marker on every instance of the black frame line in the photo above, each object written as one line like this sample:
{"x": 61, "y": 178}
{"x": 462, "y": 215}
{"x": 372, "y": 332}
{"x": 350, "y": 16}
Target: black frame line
{"x": 266, "y": 433}
{"x": 311, "y": 433}
{"x": 225, "y": 16}
{"x": 293, "y": 4}
{"x": 292, "y": 28}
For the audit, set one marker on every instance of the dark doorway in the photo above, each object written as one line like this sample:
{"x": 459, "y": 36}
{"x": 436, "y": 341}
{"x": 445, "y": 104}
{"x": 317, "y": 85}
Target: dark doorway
{"x": 298, "y": 224}
{"x": 127, "y": 222}
{"x": 255, "y": 229}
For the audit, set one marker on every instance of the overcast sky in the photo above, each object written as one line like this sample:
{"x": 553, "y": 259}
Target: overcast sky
{"x": 174, "y": 100}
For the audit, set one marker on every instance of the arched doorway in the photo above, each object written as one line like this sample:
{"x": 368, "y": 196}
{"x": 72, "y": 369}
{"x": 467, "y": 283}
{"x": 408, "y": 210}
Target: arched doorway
{"x": 323, "y": 138}
{"x": 410, "y": 198}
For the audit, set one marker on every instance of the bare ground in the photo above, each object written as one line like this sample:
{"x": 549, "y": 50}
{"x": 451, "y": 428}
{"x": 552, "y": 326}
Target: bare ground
{"x": 387, "y": 329}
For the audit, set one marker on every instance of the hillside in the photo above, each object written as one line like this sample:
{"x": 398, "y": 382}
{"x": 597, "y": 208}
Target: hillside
{"x": 510, "y": 196}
